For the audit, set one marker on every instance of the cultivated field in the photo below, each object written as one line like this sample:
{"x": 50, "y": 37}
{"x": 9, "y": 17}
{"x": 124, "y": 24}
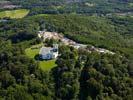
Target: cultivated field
{"x": 20, "y": 13}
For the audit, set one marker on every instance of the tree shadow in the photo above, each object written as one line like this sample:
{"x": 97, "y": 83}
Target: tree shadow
{"x": 38, "y": 57}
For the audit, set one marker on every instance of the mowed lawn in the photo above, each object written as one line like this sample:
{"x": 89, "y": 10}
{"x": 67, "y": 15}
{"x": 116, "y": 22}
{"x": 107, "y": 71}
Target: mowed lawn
{"x": 44, "y": 65}
{"x": 47, "y": 65}
{"x": 20, "y": 13}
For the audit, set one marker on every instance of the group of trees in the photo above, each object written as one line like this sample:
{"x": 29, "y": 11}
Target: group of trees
{"x": 85, "y": 76}
{"x": 78, "y": 75}
{"x": 106, "y": 78}
{"x": 19, "y": 30}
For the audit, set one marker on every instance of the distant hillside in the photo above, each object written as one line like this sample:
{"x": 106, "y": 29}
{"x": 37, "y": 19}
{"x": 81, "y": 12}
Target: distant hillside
{"x": 99, "y": 7}
{"x": 7, "y": 5}
{"x": 114, "y": 33}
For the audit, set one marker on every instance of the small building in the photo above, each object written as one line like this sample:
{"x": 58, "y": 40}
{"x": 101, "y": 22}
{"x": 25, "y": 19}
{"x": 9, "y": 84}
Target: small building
{"x": 47, "y": 53}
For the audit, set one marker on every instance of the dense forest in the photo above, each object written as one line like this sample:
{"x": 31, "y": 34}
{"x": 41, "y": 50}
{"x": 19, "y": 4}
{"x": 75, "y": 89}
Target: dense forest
{"x": 79, "y": 75}
{"x": 99, "y": 7}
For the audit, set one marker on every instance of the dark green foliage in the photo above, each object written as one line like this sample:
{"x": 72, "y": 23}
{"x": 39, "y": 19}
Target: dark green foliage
{"x": 99, "y": 7}
{"x": 66, "y": 76}
{"x": 19, "y": 30}
{"x": 50, "y": 42}
{"x": 103, "y": 78}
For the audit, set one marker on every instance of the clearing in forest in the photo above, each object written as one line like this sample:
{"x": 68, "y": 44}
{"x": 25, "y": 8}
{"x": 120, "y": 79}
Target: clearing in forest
{"x": 20, "y": 13}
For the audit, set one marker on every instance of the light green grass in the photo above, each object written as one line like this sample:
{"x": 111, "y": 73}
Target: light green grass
{"x": 47, "y": 65}
{"x": 31, "y": 53}
{"x": 44, "y": 65}
{"x": 20, "y": 13}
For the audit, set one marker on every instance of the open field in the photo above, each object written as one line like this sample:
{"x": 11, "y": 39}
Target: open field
{"x": 20, "y": 13}
{"x": 44, "y": 65}
{"x": 47, "y": 65}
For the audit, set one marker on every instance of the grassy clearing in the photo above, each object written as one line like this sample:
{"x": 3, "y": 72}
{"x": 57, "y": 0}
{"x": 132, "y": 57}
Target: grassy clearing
{"x": 47, "y": 65}
{"x": 33, "y": 51}
{"x": 20, "y": 13}
{"x": 44, "y": 65}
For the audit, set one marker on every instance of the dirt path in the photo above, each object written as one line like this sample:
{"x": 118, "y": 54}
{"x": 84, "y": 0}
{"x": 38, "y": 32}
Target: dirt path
{"x": 72, "y": 43}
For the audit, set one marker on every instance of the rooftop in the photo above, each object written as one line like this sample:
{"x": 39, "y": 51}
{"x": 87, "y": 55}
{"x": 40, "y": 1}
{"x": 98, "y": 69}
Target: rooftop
{"x": 45, "y": 50}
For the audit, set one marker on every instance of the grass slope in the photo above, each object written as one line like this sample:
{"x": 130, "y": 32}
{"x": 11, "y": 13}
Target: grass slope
{"x": 44, "y": 65}
{"x": 47, "y": 65}
{"x": 20, "y": 13}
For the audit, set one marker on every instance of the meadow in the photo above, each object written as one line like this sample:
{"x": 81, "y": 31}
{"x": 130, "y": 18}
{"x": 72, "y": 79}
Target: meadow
{"x": 14, "y": 14}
